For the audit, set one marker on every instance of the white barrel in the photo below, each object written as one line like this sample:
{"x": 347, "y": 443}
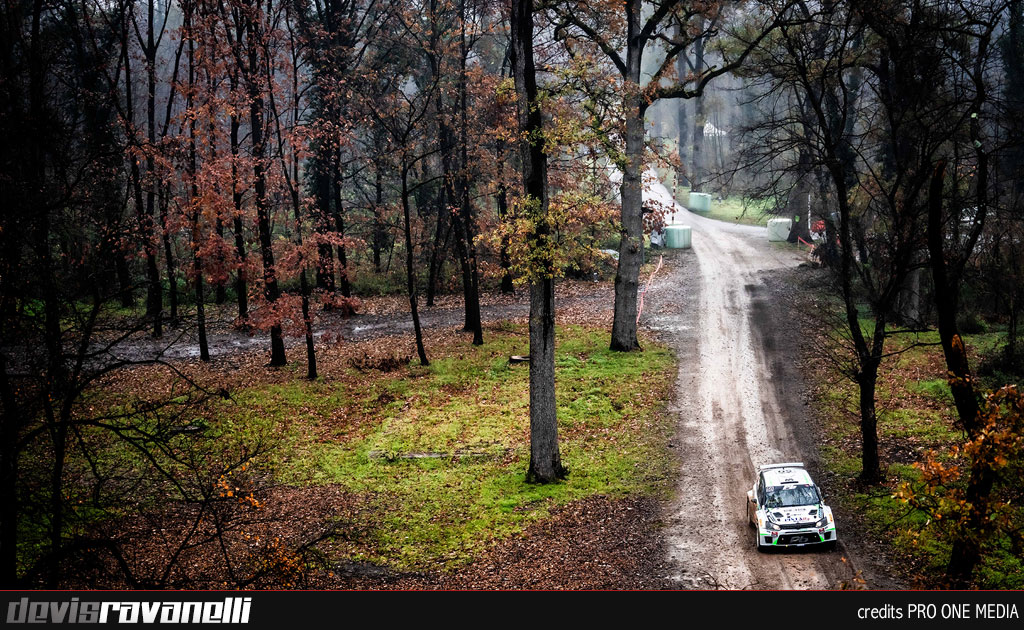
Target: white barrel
{"x": 700, "y": 202}
{"x": 678, "y": 236}
{"x": 778, "y": 229}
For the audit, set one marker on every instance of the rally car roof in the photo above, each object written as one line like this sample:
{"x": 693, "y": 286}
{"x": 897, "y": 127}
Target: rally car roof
{"x": 781, "y": 474}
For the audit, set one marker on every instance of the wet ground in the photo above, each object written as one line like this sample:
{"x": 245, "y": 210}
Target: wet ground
{"x": 739, "y": 402}
{"x": 739, "y": 405}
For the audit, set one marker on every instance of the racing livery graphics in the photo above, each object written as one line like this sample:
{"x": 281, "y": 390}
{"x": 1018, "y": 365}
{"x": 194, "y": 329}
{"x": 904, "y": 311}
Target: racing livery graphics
{"x": 786, "y": 509}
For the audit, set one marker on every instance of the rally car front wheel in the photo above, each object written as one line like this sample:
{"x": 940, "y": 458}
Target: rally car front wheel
{"x": 757, "y": 540}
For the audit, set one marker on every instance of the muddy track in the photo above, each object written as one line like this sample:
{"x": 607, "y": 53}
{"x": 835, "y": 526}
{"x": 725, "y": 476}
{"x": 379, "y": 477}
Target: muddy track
{"x": 738, "y": 406}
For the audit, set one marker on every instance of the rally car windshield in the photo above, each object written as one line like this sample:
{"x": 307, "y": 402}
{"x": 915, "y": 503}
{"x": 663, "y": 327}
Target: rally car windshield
{"x": 791, "y": 496}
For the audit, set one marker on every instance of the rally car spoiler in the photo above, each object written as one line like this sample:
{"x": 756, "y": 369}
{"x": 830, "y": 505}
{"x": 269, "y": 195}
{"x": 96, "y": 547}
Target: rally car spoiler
{"x": 785, "y": 465}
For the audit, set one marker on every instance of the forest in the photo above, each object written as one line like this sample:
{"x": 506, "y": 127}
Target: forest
{"x": 279, "y": 279}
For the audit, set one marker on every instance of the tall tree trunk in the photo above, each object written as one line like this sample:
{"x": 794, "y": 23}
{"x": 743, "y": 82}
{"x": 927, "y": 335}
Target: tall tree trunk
{"x": 379, "y": 229}
{"x": 322, "y": 180}
{"x": 966, "y": 552}
{"x": 307, "y": 320}
{"x": 697, "y": 140}
{"x": 507, "y": 287}
{"x": 197, "y": 259}
{"x": 197, "y": 270}
{"x": 947, "y": 276}
{"x": 241, "y": 284}
{"x": 442, "y": 230}
{"x": 681, "y": 128}
{"x": 154, "y": 297}
{"x": 126, "y": 291}
{"x": 220, "y": 294}
{"x": 339, "y": 226}
{"x": 256, "y": 110}
{"x": 868, "y": 357}
{"x": 471, "y": 274}
{"x": 150, "y": 52}
{"x": 545, "y": 459}
{"x": 631, "y": 242}
{"x": 169, "y": 263}
{"x": 867, "y": 380}
{"x": 410, "y": 278}
{"x": 799, "y": 205}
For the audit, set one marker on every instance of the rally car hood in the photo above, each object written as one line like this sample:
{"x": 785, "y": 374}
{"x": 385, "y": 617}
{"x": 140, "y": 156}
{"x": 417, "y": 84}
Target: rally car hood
{"x": 796, "y": 515}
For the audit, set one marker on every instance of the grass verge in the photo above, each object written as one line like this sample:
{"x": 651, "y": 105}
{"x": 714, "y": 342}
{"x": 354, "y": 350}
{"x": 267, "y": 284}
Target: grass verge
{"x": 441, "y": 452}
{"x": 732, "y": 209}
{"x": 915, "y": 416}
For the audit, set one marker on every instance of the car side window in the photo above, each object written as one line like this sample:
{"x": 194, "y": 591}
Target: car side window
{"x": 760, "y": 491}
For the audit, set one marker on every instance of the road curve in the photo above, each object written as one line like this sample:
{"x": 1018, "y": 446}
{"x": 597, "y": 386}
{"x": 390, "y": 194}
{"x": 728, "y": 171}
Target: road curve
{"x": 736, "y": 404}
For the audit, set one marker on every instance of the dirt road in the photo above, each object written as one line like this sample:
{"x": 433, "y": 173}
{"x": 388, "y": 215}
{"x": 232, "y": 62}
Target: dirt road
{"x": 738, "y": 406}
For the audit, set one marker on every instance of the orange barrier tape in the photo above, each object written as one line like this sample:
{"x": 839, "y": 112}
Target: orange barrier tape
{"x": 640, "y": 309}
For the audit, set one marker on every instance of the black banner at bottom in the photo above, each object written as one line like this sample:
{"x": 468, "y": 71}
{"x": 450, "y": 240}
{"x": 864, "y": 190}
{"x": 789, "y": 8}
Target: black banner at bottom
{"x": 896, "y": 609}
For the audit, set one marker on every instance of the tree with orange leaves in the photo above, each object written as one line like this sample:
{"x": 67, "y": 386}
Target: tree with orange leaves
{"x": 947, "y": 490}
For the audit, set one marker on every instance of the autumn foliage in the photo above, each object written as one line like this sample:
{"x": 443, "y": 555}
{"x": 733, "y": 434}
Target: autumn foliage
{"x": 997, "y": 451}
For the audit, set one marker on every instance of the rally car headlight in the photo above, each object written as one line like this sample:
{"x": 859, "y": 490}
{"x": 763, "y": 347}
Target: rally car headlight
{"x": 822, "y": 523}
{"x": 768, "y": 524}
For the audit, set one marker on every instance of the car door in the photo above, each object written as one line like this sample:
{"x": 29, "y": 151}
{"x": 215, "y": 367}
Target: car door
{"x": 754, "y": 500}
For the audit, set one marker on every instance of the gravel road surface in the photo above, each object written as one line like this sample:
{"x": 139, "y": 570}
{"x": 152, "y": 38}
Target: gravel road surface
{"x": 738, "y": 406}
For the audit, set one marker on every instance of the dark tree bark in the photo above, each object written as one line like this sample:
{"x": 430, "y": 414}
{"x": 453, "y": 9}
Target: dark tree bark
{"x": 966, "y": 552}
{"x": 197, "y": 259}
{"x": 197, "y": 271}
{"x": 699, "y": 118}
{"x": 149, "y": 48}
{"x": 507, "y": 287}
{"x": 799, "y": 206}
{"x": 442, "y": 232}
{"x": 631, "y": 243}
{"x": 322, "y": 178}
{"x": 380, "y": 232}
{"x": 339, "y": 226}
{"x": 291, "y": 175}
{"x": 220, "y": 292}
{"x": 241, "y": 284}
{"x": 154, "y": 297}
{"x": 644, "y": 24}
{"x": 947, "y": 277}
{"x": 126, "y": 290}
{"x": 545, "y": 459}
{"x": 169, "y": 261}
{"x": 467, "y": 221}
{"x": 681, "y": 127}
{"x": 256, "y": 112}
{"x": 409, "y": 273}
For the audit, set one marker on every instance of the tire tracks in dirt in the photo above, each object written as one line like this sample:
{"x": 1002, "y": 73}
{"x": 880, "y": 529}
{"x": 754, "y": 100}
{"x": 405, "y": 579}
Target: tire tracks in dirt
{"x": 738, "y": 406}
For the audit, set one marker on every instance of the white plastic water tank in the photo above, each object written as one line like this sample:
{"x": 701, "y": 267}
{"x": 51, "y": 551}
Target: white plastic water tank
{"x": 778, "y": 229}
{"x": 699, "y": 201}
{"x": 677, "y": 236}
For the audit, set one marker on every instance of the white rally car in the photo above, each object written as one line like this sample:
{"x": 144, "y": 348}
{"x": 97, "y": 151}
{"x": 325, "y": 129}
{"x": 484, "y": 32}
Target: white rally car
{"x": 786, "y": 509}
